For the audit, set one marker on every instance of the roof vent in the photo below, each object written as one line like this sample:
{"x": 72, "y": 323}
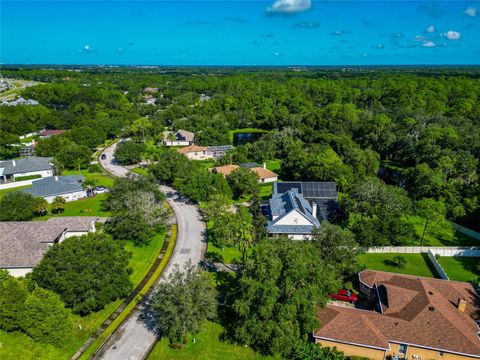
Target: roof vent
{"x": 430, "y": 293}
{"x": 14, "y": 163}
{"x": 431, "y": 308}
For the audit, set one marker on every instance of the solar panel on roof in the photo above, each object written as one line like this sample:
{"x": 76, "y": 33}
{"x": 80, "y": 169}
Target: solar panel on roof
{"x": 283, "y": 187}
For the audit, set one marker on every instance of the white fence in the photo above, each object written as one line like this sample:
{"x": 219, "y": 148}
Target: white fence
{"x": 438, "y": 267}
{"x": 468, "y": 251}
{"x": 465, "y": 231}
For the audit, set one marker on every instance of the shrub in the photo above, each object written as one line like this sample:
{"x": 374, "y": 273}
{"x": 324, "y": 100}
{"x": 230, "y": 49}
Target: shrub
{"x": 40, "y": 206}
{"x": 16, "y": 206}
{"x": 94, "y": 168}
{"x": 58, "y": 205}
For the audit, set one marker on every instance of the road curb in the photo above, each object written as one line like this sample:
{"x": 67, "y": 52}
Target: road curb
{"x": 138, "y": 290}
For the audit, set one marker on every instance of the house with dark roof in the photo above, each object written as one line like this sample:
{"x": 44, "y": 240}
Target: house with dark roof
{"x": 178, "y": 138}
{"x": 28, "y": 166}
{"x": 23, "y": 243}
{"x": 297, "y": 208}
{"x": 414, "y": 318}
{"x": 68, "y": 187}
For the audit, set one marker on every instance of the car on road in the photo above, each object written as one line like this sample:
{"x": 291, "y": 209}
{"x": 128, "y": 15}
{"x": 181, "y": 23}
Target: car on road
{"x": 344, "y": 295}
{"x": 103, "y": 157}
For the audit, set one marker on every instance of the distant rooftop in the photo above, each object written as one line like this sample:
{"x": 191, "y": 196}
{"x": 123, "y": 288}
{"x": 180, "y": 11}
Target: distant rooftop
{"x": 56, "y": 185}
{"x": 23, "y": 165}
{"x": 23, "y": 243}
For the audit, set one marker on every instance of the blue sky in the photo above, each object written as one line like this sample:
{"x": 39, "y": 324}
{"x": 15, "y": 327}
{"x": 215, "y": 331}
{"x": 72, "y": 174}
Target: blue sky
{"x": 276, "y": 32}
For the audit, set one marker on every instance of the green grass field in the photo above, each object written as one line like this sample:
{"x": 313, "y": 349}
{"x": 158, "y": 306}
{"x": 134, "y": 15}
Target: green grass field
{"x": 418, "y": 264}
{"x": 440, "y": 234}
{"x": 17, "y": 345}
{"x": 6, "y": 191}
{"x": 90, "y": 206}
{"x": 140, "y": 171}
{"x": 274, "y": 165}
{"x": 98, "y": 178}
{"x": 207, "y": 346}
{"x": 227, "y": 255}
{"x": 461, "y": 268}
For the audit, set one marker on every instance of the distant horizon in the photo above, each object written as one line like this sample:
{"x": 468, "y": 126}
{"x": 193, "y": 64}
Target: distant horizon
{"x": 240, "y": 33}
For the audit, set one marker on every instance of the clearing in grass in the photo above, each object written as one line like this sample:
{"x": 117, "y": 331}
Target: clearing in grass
{"x": 417, "y": 264}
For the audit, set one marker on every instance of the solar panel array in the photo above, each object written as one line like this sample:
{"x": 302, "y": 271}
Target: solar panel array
{"x": 283, "y": 187}
{"x": 310, "y": 190}
{"x": 319, "y": 190}
{"x": 220, "y": 148}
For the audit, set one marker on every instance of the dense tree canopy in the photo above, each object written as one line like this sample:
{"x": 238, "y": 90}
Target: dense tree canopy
{"x": 97, "y": 272}
{"x": 137, "y": 209}
{"x": 416, "y": 129}
{"x": 278, "y": 292}
{"x": 182, "y": 304}
{"x": 17, "y": 206}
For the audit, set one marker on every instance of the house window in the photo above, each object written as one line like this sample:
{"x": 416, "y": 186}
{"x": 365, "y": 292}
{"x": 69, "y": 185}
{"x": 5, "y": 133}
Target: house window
{"x": 295, "y": 220}
{"x": 402, "y": 349}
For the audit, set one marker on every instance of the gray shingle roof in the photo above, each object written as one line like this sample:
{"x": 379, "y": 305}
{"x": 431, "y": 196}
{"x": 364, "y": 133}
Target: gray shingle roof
{"x": 56, "y": 185}
{"x": 23, "y": 243}
{"x": 282, "y": 204}
{"x": 28, "y": 164}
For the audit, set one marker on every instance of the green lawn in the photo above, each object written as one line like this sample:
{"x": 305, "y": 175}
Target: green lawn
{"x": 90, "y": 206}
{"x": 99, "y": 178}
{"x": 461, "y": 268}
{"x": 418, "y": 264}
{"x": 143, "y": 257}
{"x": 442, "y": 234}
{"x": 17, "y": 345}
{"x": 266, "y": 191}
{"x": 5, "y": 191}
{"x": 207, "y": 346}
{"x": 140, "y": 171}
{"x": 226, "y": 255}
{"x": 274, "y": 165}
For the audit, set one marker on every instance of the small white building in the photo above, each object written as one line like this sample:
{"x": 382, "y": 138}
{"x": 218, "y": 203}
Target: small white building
{"x": 23, "y": 243}
{"x": 28, "y": 166}
{"x": 179, "y": 138}
{"x": 68, "y": 187}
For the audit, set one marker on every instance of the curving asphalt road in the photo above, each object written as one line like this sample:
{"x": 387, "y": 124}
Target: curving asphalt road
{"x": 133, "y": 339}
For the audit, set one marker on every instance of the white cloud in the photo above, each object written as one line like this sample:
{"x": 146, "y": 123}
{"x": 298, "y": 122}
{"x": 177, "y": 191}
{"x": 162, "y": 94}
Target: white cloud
{"x": 452, "y": 35}
{"x": 420, "y": 38}
{"x": 429, "y": 44}
{"x": 470, "y": 11}
{"x": 431, "y": 29}
{"x": 290, "y": 6}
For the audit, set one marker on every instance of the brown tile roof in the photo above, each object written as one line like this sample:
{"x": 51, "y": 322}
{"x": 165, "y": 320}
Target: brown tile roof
{"x": 51, "y": 132}
{"x": 225, "y": 170}
{"x": 192, "y": 148}
{"x": 263, "y": 173}
{"x": 150, "y": 90}
{"x": 23, "y": 243}
{"x": 420, "y": 311}
{"x": 180, "y": 135}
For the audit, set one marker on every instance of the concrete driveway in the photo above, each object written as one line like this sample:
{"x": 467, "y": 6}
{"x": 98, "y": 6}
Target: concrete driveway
{"x": 133, "y": 339}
